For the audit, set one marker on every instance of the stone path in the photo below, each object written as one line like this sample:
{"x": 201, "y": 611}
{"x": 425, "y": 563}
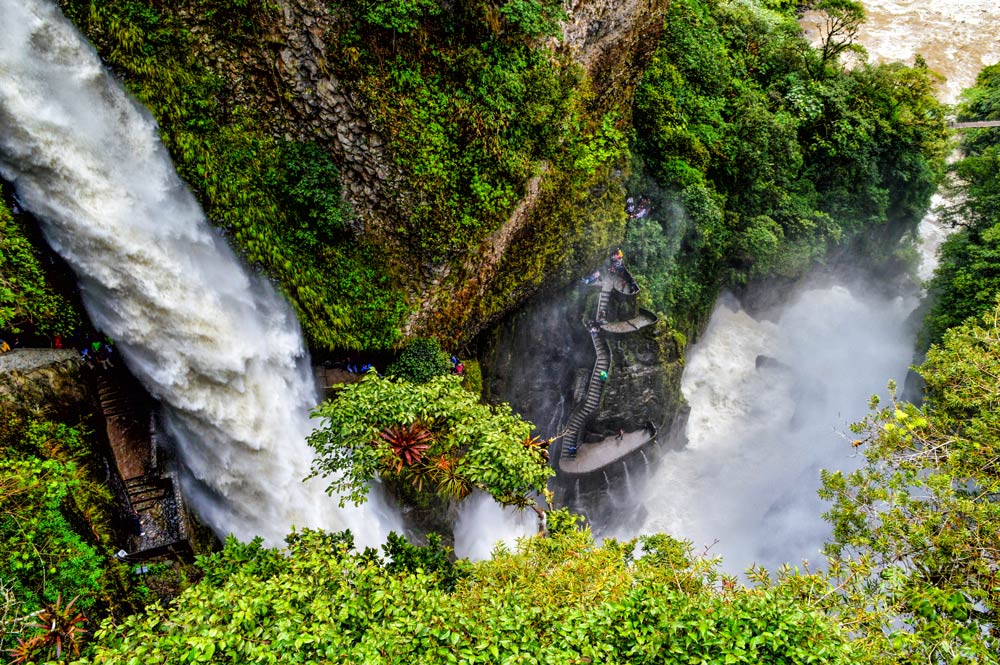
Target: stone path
{"x": 25, "y": 360}
{"x": 151, "y": 489}
{"x": 644, "y": 319}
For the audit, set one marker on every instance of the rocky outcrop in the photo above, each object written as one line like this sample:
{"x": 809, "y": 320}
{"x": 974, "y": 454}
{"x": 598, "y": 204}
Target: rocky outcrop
{"x": 613, "y": 40}
{"x": 296, "y": 73}
{"x": 329, "y": 112}
{"x": 50, "y": 380}
{"x": 644, "y": 386}
{"x": 541, "y": 361}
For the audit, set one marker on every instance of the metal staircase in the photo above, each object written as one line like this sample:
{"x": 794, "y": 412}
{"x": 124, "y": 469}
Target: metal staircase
{"x": 595, "y": 388}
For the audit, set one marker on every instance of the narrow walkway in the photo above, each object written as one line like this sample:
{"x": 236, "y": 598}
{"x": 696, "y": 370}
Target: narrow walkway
{"x": 595, "y": 387}
{"x": 974, "y": 125}
{"x": 644, "y": 319}
{"x": 128, "y": 431}
{"x": 160, "y": 526}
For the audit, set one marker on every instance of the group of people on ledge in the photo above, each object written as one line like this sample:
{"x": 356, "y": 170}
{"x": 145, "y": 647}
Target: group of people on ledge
{"x": 92, "y": 350}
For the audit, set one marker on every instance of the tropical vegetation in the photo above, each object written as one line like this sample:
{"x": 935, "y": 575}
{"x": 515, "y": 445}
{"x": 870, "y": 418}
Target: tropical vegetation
{"x": 968, "y": 278}
{"x": 29, "y": 298}
{"x": 434, "y": 436}
{"x": 759, "y": 156}
{"x": 560, "y": 599}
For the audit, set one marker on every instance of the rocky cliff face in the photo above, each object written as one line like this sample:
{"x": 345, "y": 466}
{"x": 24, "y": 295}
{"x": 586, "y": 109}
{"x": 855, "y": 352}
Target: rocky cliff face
{"x": 539, "y": 361}
{"x": 611, "y": 40}
{"x": 47, "y": 380}
{"x": 643, "y": 385}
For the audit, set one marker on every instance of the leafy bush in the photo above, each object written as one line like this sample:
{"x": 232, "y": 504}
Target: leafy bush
{"x": 43, "y": 556}
{"x": 308, "y": 183}
{"x": 555, "y": 600}
{"x": 434, "y": 435}
{"x": 533, "y": 18}
{"x": 916, "y": 528}
{"x": 421, "y": 361}
{"x": 399, "y": 15}
{"x": 469, "y": 120}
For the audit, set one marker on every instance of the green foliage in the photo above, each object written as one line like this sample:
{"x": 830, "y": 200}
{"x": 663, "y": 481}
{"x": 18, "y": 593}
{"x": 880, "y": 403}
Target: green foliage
{"x": 399, "y": 15}
{"x": 967, "y": 279}
{"x": 916, "y": 529}
{"x": 533, "y": 18}
{"x": 308, "y": 183}
{"x": 472, "y": 376}
{"x": 27, "y": 296}
{"x": 556, "y": 600}
{"x": 421, "y": 361}
{"x": 237, "y": 557}
{"x": 471, "y": 108}
{"x": 766, "y": 153}
{"x": 42, "y": 555}
{"x": 433, "y": 558}
{"x": 55, "y": 531}
{"x": 473, "y": 445}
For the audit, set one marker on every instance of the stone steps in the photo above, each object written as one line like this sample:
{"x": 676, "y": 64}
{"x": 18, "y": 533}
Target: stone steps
{"x": 144, "y": 491}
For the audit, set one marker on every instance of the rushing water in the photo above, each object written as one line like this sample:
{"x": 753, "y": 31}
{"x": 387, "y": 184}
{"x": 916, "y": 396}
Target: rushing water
{"x": 758, "y": 436}
{"x": 745, "y": 486}
{"x": 219, "y": 348}
{"x": 956, "y": 38}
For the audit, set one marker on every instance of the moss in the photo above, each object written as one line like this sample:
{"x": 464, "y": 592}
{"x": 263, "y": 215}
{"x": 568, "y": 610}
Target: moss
{"x": 32, "y": 300}
{"x": 473, "y": 376}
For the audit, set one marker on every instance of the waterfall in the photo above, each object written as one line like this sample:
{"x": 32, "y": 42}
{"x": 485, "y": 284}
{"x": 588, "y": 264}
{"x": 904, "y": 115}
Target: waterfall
{"x": 758, "y": 436}
{"x": 219, "y": 348}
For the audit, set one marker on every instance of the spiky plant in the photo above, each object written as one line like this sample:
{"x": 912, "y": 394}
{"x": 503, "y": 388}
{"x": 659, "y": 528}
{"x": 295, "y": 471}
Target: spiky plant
{"x": 61, "y": 626}
{"x": 538, "y": 444}
{"x": 450, "y": 483}
{"x": 407, "y": 442}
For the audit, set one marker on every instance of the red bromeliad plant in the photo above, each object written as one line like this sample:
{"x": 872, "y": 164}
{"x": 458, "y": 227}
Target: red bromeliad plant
{"x": 62, "y": 629}
{"x": 408, "y": 443}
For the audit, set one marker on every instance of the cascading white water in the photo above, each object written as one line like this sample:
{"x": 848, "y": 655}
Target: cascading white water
{"x": 217, "y": 346}
{"x": 758, "y": 437}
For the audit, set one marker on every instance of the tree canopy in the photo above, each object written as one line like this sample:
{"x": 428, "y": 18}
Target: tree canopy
{"x": 917, "y": 528}
{"x": 559, "y": 599}
{"x": 761, "y": 153}
{"x": 967, "y": 279}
